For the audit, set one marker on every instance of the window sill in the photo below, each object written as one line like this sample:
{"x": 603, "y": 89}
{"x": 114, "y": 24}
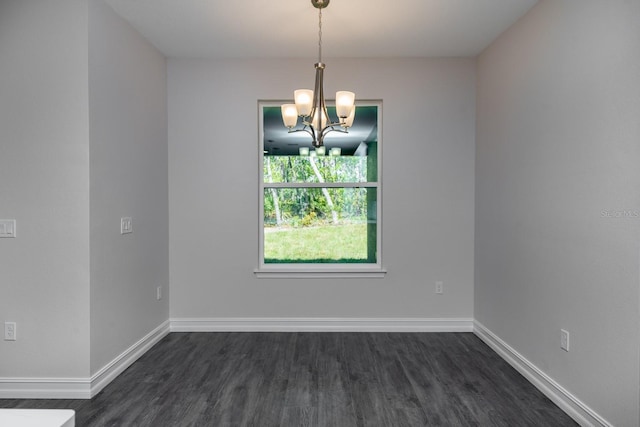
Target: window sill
{"x": 307, "y": 272}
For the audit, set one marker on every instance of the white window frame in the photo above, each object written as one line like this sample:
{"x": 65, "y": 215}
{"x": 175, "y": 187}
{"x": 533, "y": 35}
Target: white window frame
{"x": 312, "y": 270}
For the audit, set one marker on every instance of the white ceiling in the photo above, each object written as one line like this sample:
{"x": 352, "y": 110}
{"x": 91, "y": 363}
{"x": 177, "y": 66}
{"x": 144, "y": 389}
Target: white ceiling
{"x": 351, "y": 28}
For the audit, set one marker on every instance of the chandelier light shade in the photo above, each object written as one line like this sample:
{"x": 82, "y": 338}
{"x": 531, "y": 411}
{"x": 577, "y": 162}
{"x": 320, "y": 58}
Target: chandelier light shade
{"x": 310, "y": 105}
{"x": 289, "y": 115}
{"x": 344, "y": 103}
{"x": 349, "y": 122}
{"x": 304, "y": 101}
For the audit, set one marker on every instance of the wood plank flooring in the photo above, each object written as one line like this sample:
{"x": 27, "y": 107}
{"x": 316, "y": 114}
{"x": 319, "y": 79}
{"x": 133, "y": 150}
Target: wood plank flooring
{"x": 315, "y": 379}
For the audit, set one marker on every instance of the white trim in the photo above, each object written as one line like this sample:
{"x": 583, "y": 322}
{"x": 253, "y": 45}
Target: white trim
{"x": 45, "y": 388}
{"x": 111, "y": 370}
{"x": 80, "y": 388}
{"x": 86, "y": 388}
{"x": 312, "y": 271}
{"x": 570, "y": 404}
{"x": 363, "y": 184}
{"x": 263, "y": 270}
{"x": 321, "y": 324}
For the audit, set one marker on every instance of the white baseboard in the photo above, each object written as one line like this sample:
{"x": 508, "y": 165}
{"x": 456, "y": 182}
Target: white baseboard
{"x": 80, "y": 388}
{"x": 321, "y": 324}
{"x": 86, "y": 388}
{"x": 114, "y": 368}
{"x": 570, "y": 404}
{"x": 45, "y": 388}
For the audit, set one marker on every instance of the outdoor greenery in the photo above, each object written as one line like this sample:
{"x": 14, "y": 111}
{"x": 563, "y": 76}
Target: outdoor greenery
{"x": 314, "y": 206}
{"x": 295, "y": 245}
{"x": 316, "y": 224}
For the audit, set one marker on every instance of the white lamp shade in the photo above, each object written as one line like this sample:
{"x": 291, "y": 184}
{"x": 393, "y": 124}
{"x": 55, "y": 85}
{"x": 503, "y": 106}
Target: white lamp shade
{"x": 349, "y": 120}
{"x": 304, "y": 151}
{"x": 344, "y": 103}
{"x": 321, "y": 151}
{"x": 323, "y": 122}
{"x": 304, "y": 101}
{"x": 289, "y": 115}
{"x": 335, "y": 151}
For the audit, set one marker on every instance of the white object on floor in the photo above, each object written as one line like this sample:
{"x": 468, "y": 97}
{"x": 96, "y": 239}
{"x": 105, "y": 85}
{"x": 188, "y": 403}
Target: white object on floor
{"x": 37, "y": 417}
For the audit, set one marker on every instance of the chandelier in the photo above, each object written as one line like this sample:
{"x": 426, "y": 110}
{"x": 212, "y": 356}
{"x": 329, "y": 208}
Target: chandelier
{"x": 310, "y": 105}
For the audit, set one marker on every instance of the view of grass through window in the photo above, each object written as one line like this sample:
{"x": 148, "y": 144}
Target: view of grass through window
{"x": 320, "y": 209}
{"x": 317, "y": 225}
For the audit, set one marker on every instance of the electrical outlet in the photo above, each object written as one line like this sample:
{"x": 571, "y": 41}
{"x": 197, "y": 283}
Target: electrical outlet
{"x": 439, "y": 287}
{"x": 159, "y": 293}
{"x": 564, "y": 340}
{"x": 10, "y": 331}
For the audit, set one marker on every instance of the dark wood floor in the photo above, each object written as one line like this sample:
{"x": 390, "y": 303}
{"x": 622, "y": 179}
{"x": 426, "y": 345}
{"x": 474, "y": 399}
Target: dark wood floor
{"x": 315, "y": 379}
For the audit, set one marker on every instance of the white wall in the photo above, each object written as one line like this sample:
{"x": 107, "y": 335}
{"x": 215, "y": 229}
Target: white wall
{"x": 44, "y": 185}
{"x": 128, "y": 158}
{"x": 428, "y": 186}
{"x": 558, "y": 149}
{"x": 83, "y": 141}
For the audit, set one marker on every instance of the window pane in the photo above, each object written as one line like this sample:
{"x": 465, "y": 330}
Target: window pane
{"x": 315, "y": 169}
{"x": 357, "y": 161}
{"x": 320, "y": 225}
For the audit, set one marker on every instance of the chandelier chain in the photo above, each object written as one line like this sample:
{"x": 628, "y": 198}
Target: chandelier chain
{"x": 320, "y": 35}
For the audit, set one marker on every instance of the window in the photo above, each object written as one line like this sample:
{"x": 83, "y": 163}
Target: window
{"x": 320, "y": 213}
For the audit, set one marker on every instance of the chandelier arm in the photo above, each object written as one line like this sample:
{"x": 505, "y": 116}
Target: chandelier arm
{"x": 316, "y": 137}
{"x": 334, "y": 124}
{"x": 331, "y": 128}
{"x": 303, "y": 130}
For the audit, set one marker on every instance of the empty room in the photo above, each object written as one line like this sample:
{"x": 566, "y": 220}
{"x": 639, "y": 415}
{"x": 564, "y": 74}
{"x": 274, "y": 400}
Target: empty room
{"x": 324, "y": 213}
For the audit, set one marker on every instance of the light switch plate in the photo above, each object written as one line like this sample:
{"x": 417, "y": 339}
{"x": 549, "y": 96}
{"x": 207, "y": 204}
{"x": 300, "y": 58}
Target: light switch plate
{"x": 7, "y": 228}
{"x": 126, "y": 225}
{"x": 564, "y": 340}
{"x": 10, "y": 331}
